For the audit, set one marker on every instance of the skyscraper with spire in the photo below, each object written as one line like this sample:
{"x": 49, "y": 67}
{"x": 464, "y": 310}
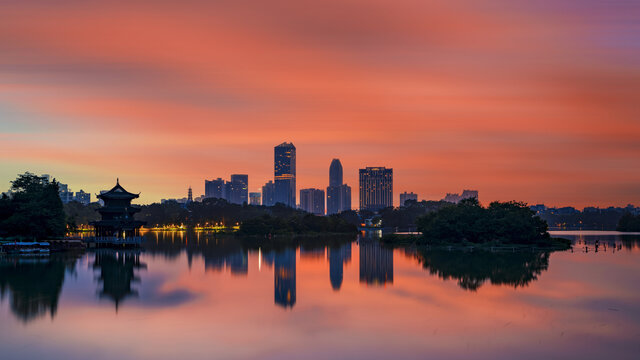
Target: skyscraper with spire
{"x": 284, "y": 169}
{"x": 338, "y": 193}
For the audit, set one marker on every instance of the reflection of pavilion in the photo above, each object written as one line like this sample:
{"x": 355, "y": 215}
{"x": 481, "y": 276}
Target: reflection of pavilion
{"x": 284, "y": 275}
{"x": 376, "y": 263}
{"x": 117, "y": 273}
{"x": 338, "y": 256}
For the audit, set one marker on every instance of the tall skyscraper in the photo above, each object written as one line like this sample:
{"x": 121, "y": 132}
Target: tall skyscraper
{"x": 238, "y": 189}
{"x": 407, "y": 196}
{"x": 376, "y": 188}
{"x": 254, "y": 198}
{"x": 312, "y": 201}
{"x": 338, "y": 194}
{"x": 268, "y": 194}
{"x": 214, "y": 188}
{"x": 284, "y": 166}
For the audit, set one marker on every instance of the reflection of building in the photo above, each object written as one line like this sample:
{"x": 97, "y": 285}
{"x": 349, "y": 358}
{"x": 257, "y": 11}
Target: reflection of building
{"x": 407, "y": 196}
{"x": 311, "y": 253}
{"x": 284, "y": 274}
{"x": 376, "y": 263}
{"x": 338, "y": 193}
{"x": 117, "y": 214}
{"x": 238, "y": 263}
{"x": 456, "y": 198}
{"x": 117, "y": 273}
{"x": 376, "y": 188}
{"x": 312, "y": 201}
{"x": 254, "y": 198}
{"x": 338, "y": 256}
{"x": 268, "y": 194}
{"x": 284, "y": 168}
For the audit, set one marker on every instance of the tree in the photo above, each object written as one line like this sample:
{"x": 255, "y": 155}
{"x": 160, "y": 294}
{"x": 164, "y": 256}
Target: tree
{"x": 34, "y": 210}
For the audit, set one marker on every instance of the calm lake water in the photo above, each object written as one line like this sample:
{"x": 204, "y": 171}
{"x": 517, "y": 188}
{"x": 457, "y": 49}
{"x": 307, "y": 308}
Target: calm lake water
{"x": 192, "y": 296}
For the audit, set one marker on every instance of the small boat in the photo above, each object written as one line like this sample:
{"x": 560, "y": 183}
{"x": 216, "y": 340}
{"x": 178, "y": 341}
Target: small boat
{"x": 26, "y": 248}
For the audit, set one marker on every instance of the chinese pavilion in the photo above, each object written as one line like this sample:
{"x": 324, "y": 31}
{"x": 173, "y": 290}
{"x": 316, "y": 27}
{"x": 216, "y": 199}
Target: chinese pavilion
{"x": 117, "y": 214}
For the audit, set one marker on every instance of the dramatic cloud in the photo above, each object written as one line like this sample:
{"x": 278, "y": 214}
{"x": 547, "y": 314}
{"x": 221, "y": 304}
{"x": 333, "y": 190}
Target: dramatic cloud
{"x": 530, "y": 100}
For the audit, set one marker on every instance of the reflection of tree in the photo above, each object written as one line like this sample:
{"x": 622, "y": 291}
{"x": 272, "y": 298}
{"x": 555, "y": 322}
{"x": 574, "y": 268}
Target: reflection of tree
{"x": 472, "y": 269}
{"x": 34, "y": 284}
{"x": 117, "y": 273}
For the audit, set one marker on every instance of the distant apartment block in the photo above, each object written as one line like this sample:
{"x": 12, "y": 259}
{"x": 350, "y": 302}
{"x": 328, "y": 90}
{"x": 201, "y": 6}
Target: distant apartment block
{"x": 312, "y": 201}
{"x": 268, "y": 194}
{"x": 255, "y": 198}
{"x": 235, "y": 191}
{"x": 407, "y": 196}
{"x": 456, "y": 198}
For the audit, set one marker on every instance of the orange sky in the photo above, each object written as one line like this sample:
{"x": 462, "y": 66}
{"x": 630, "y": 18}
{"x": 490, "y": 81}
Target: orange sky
{"x": 528, "y": 100}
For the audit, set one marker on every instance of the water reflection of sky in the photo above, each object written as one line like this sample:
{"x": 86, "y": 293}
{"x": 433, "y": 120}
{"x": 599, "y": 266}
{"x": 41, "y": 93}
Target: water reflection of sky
{"x": 341, "y": 301}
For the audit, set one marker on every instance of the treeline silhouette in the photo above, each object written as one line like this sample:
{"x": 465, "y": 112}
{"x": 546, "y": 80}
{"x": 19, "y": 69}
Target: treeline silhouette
{"x": 629, "y": 223}
{"x": 253, "y": 220}
{"x": 468, "y": 222}
{"x": 34, "y": 210}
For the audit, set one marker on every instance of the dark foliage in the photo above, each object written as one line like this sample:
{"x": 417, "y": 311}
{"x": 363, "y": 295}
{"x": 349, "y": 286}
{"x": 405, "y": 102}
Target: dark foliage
{"x": 297, "y": 224}
{"x": 79, "y": 214}
{"x": 508, "y": 222}
{"x": 34, "y": 210}
{"x": 629, "y": 222}
{"x": 404, "y": 217}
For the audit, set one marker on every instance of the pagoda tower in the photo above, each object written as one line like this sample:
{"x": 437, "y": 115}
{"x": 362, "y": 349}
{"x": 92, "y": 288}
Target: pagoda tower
{"x": 117, "y": 214}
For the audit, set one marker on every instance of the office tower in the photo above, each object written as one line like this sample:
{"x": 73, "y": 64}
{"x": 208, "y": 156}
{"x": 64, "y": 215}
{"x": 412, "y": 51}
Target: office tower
{"x": 268, "y": 194}
{"x": 376, "y": 263}
{"x": 284, "y": 166}
{"x": 83, "y": 197}
{"x": 407, "y": 196}
{"x": 238, "y": 189}
{"x": 312, "y": 201}
{"x": 254, "y": 198}
{"x": 338, "y": 194}
{"x": 376, "y": 188}
{"x": 190, "y": 195}
{"x": 284, "y": 278}
{"x": 214, "y": 188}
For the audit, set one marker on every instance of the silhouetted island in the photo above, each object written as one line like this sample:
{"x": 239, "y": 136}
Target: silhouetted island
{"x": 469, "y": 224}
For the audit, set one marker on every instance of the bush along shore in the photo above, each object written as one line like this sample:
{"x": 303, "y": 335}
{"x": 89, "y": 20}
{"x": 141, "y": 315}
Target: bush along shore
{"x": 501, "y": 225}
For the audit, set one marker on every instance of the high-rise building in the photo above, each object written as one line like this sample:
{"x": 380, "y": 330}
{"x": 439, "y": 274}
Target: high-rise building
{"x": 312, "y": 201}
{"x": 338, "y": 194}
{"x": 268, "y": 194}
{"x": 284, "y": 166}
{"x": 254, "y": 198}
{"x": 407, "y": 196}
{"x": 214, "y": 188}
{"x": 238, "y": 189}
{"x": 66, "y": 195}
{"x": 376, "y": 188}
{"x": 83, "y": 197}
